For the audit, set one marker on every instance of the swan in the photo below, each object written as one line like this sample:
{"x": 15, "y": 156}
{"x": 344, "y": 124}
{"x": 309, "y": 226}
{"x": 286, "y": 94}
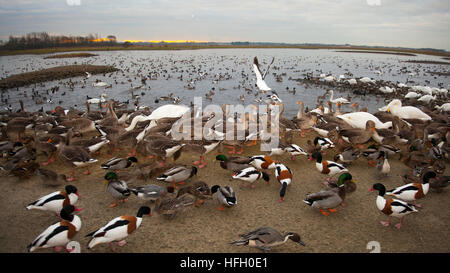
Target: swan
{"x": 164, "y": 111}
{"x": 386, "y": 89}
{"x": 352, "y": 81}
{"x": 412, "y": 95}
{"x": 98, "y": 100}
{"x": 427, "y": 98}
{"x": 100, "y": 84}
{"x": 329, "y": 79}
{"x": 359, "y": 120}
{"x": 401, "y": 85}
{"x": 366, "y": 80}
{"x": 406, "y": 112}
{"x": 340, "y": 100}
{"x": 260, "y": 83}
{"x": 444, "y": 107}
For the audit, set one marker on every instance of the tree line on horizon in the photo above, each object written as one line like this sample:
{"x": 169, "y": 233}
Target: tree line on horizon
{"x": 36, "y": 40}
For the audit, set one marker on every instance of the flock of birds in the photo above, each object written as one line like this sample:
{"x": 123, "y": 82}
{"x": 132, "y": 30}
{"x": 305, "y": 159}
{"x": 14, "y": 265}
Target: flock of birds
{"x": 60, "y": 135}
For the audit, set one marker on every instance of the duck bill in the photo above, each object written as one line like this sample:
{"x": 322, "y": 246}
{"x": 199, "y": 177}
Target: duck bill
{"x": 77, "y": 209}
{"x": 371, "y": 189}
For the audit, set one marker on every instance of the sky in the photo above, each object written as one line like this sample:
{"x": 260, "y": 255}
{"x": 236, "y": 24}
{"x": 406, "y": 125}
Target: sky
{"x": 404, "y": 23}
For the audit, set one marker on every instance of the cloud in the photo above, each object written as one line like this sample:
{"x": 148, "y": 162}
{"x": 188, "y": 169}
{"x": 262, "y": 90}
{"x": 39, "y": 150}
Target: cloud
{"x": 372, "y": 22}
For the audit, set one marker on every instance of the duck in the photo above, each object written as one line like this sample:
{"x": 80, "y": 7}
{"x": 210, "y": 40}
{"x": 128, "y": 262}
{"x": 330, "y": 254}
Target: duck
{"x": 25, "y": 170}
{"x": 323, "y": 143}
{"x": 265, "y": 238}
{"x": 57, "y": 200}
{"x": 151, "y": 192}
{"x": 250, "y": 175}
{"x": 178, "y": 174}
{"x": 50, "y": 178}
{"x": 117, "y": 188}
{"x": 383, "y": 167}
{"x": 199, "y": 189}
{"x": 406, "y": 112}
{"x": 295, "y": 150}
{"x": 262, "y": 162}
{"x": 284, "y": 176}
{"x": 234, "y": 163}
{"x": 391, "y": 207}
{"x": 59, "y": 234}
{"x": 439, "y": 183}
{"x": 327, "y": 199}
{"x": 413, "y": 191}
{"x": 327, "y": 167}
{"x": 118, "y": 229}
{"x": 345, "y": 179}
{"x": 348, "y": 155}
{"x": 119, "y": 163}
{"x": 170, "y": 207}
{"x": 102, "y": 99}
{"x": 226, "y": 196}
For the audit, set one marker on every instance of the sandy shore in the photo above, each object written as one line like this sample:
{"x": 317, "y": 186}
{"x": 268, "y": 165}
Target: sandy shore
{"x": 206, "y": 229}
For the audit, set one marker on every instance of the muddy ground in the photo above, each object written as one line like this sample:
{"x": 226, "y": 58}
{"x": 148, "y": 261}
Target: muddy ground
{"x": 206, "y": 229}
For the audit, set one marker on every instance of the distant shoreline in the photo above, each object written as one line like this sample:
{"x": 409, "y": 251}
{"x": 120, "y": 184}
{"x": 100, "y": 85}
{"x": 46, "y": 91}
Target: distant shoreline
{"x": 353, "y": 49}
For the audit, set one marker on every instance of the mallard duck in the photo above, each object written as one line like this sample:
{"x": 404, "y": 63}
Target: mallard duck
{"x": 55, "y": 201}
{"x": 151, "y": 192}
{"x": 60, "y": 233}
{"x": 284, "y": 176}
{"x": 250, "y": 175}
{"x": 50, "y": 178}
{"x": 326, "y": 199}
{"x": 117, "y": 188}
{"x": 234, "y": 163}
{"x": 199, "y": 189}
{"x": 345, "y": 179}
{"x": 327, "y": 167}
{"x": 440, "y": 182}
{"x": 119, "y": 163}
{"x": 266, "y": 237}
{"x": 178, "y": 174}
{"x": 25, "y": 170}
{"x": 226, "y": 196}
{"x": 171, "y": 206}
{"x": 383, "y": 167}
{"x": 118, "y": 229}
{"x": 413, "y": 191}
{"x": 391, "y": 207}
{"x": 348, "y": 155}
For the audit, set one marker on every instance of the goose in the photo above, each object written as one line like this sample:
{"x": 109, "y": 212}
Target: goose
{"x": 260, "y": 83}
{"x": 226, "y": 196}
{"x": 406, "y": 112}
{"x": 118, "y": 229}
{"x": 265, "y": 238}
{"x": 340, "y": 100}
{"x": 59, "y": 234}
{"x": 391, "y": 207}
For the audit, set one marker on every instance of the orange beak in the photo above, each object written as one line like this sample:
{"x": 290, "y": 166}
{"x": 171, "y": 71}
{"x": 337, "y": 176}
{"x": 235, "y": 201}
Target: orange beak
{"x": 49, "y": 140}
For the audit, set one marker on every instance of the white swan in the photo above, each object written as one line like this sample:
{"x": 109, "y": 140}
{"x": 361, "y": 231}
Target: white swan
{"x": 412, "y": 95}
{"x": 444, "y": 107}
{"x": 329, "y": 79}
{"x": 100, "y": 84}
{"x": 386, "y": 89}
{"x": 340, "y": 100}
{"x": 406, "y": 112}
{"x": 366, "y": 80}
{"x": 352, "y": 81}
{"x": 260, "y": 77}
{"x": 98, "y": 100}
{"x": 359, "y": 120}
{"x": 164, "y": 111}
{"x": 427, "y": 98}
